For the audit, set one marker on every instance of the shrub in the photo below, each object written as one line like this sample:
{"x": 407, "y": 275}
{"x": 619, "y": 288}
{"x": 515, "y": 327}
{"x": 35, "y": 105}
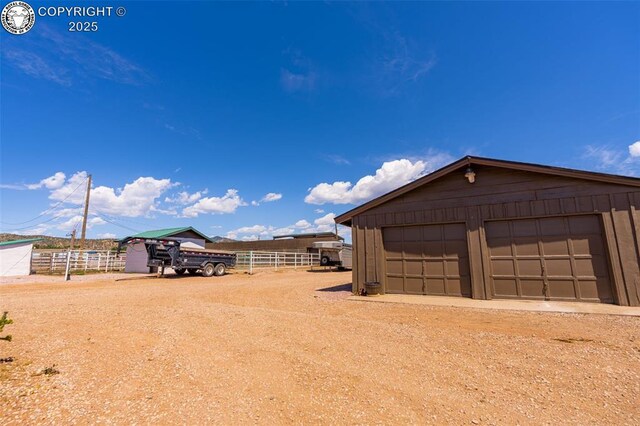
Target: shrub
{"x": 5, "y": 321}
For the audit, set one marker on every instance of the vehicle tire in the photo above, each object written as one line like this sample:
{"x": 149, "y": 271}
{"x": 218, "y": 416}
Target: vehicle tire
{"x": 324, "y": 261}
{"x": 220, "y": 269}
{"x": 180, "y": 271}
{"x": 192, "y": 271}
{"x": 208, "y": 270}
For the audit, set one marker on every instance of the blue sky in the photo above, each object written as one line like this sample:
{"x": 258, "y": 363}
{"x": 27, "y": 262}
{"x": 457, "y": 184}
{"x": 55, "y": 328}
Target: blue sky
{"x": 254, "y": 119}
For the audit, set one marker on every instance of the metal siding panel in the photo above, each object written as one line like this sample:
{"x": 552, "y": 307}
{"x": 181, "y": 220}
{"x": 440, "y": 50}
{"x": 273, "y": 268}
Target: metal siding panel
{"x": 626, "y": 242}
{"x": 354, "y": 265}
{"x": 360, "y": 255}
{"x": 568, "y": 205}
{"x": 614, "y": 254}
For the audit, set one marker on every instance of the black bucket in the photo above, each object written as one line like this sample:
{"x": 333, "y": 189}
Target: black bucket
{"x": 373, "y": 288}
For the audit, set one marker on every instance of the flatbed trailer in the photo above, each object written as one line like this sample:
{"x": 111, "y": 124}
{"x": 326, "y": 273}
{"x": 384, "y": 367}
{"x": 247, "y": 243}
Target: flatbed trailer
{"x": 169, "y": 254}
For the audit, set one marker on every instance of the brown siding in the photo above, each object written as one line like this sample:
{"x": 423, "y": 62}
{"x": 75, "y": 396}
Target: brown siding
{"x": 506, "y": 194}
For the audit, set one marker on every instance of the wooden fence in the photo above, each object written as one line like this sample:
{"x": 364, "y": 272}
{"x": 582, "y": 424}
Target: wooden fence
{"x": 55, "y": 262}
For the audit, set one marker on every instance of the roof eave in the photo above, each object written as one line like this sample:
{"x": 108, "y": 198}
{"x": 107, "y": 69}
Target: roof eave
{"x": 345, "y": 218}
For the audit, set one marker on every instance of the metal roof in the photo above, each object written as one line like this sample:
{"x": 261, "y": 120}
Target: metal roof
{"x": 168, "y": 232}
{"x": 309, "y": 235}
{"x": 345, "y": 218}
{"x": 27, "y": 240}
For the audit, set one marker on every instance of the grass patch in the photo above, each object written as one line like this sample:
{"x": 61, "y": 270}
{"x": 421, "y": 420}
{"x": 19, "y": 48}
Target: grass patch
{"x": 49, "y": 371}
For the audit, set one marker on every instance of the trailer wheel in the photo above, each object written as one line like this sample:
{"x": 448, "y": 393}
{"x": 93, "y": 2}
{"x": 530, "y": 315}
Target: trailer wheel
{"x": 192, "y": 271}
{"x": 220, "y": 269}
{"x": 180, "y": 271}
{"x": 324, "y": 260}
{"x": 208, "y": 270}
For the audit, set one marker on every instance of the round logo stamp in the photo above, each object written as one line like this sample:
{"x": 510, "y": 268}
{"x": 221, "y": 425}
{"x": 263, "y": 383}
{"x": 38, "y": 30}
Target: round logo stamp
{"x": 18, "y": 17}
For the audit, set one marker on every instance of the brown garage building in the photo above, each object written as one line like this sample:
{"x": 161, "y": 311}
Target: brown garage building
{"x": 490, "y": 229}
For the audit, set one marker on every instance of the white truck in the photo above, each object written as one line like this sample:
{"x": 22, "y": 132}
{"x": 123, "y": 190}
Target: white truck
{"x": 334, "y": 253}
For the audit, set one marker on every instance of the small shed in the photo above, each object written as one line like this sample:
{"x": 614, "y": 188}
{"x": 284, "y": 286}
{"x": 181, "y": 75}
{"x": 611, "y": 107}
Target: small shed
{"x": 137, "y": 253}
{"x": 15, "y": 257}
{"x": 494, "y": 229}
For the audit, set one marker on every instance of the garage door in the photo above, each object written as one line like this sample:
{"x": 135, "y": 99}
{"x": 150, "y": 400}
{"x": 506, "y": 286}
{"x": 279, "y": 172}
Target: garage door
{"x": 561, "y": 258}
{"x": 429, "y": 259}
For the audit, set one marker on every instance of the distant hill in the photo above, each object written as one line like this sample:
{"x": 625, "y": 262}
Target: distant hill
{"x": 62, "y": 243}
{"x": 219, "y": 239}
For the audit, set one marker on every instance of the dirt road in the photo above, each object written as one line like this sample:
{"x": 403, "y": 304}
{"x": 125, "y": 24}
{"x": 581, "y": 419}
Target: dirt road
{"x": 286, "y": 347}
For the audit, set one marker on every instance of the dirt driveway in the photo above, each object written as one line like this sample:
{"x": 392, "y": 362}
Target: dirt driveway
{"x": 286, "y": 347}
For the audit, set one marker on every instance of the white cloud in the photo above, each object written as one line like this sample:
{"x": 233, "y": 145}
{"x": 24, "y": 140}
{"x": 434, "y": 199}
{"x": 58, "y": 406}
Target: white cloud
{"x": 612, "y": 160}
{"x": 283, "y": 231}
{"x": 318, "y": 211}
{"x": 137, "y": 198}
{"x": 52, "y": 182}
{"x": 271, "y": 196}
{"x": 76, "y": 222}
{"x": 71, "y": 189}
{"x": 69, "y": 212}
{"x": 107, "y": 235}
{"x": 634, "y": 149}
{"x": 402, "y": 62}
{"x": 302, "y": 224}
{"x": 295, "y": 82}
{"x": 228, "y": 203}
{"x": 390, "y": 176}
{"x": 337, "y": 159}
{"x": 68, "y": 60}
{"x": 251, "y": 229}
{"x": 254, "y": 232}
{"x": 300, "y": 74}
{"x": 325, "y": 220}
{"x": 268, "y": 198}
{"x": 38, "y": 230}
{"x": 185, "y": 198}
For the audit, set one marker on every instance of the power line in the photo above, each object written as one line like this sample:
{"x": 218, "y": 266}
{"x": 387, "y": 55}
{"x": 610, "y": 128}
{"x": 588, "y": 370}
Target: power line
{"x": 33, "y": 225}
{"x": 117, "y": 224}
{"x": 123, "y": 219}
{"x": 50, "y": 209}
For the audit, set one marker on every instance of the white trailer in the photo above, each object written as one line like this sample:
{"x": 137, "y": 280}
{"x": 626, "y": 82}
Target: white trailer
{"x": 334, "y": 253}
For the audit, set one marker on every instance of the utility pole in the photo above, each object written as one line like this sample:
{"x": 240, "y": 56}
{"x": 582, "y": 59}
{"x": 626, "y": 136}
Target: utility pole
{"x": 86, "y": 214}
{"x": 73, "y": 239}
{"x": 67, "y": 275}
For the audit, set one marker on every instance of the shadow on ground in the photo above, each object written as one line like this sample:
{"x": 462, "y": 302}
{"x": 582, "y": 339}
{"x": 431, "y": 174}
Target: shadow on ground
{"x": 340, "y": 287}
{"x": 327, "y": 269}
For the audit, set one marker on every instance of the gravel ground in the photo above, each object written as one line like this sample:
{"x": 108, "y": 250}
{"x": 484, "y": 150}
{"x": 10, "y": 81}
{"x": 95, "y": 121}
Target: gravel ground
{"x": 287, "y": 347}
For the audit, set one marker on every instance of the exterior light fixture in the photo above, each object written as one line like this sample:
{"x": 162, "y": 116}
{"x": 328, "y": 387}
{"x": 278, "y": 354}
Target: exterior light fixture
{"x": 470, "y": 175}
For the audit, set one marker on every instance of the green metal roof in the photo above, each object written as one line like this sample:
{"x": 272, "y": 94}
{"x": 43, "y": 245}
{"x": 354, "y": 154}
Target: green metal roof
{"x": 28, "y": 240}
{"x": 168, "y": 232}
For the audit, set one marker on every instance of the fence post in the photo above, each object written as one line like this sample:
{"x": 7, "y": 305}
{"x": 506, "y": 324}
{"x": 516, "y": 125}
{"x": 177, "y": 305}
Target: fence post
{"x": 250, "y": 263}
{"x": 67, "y": 277}
{"x": 276, "y": 261}
{"x": 106, "y": 263}
{"x": 51, "y": 263}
